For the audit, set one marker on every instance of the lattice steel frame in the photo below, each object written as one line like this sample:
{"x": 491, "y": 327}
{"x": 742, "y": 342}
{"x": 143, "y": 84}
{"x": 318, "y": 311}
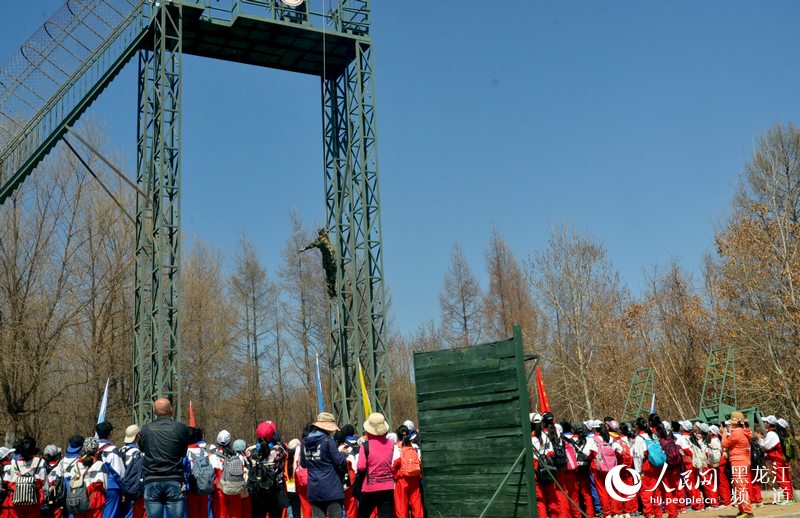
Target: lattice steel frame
{"x": 719, "y": 384}
{"x": 642, "y": 385}
{"x": 358, "y": 313}
{"x": 156, "y": 349}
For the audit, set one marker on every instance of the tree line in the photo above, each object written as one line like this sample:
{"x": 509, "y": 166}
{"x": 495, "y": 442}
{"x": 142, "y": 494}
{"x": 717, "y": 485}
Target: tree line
{"x": 250, "y": 336}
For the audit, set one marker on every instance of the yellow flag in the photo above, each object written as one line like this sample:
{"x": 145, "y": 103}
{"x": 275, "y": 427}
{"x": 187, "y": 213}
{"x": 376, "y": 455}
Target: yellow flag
{"x": 364, "y": 394}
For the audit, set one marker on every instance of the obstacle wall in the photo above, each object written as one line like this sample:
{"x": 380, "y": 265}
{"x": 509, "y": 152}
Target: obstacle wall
{"x": 473, "y": 418}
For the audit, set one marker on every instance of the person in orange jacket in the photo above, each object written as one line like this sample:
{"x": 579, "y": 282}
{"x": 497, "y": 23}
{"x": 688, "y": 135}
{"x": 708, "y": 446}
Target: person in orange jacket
{"x": 736, "y": 439}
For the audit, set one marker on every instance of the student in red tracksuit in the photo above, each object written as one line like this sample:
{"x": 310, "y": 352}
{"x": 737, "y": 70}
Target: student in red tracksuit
{"x": 568, "y": 478}
{"x": 688, "y": 448}
{"x": 541, "y": 480}
{"x": 407, "y": 471}
{"x": 708, "y": 475}
{"x": 625, "y": 458}
{"x": 557, "y": 502}
{"x": 588, "y": 447}
{"x": 5, "y": 468}
{"x": 23, "y": 462}
{"x": 222, "y": 505}
{"x": 672, "y": 475}
{"x": 772, "y": 445}
{"x": 723, "y": 485}
{"x": 652, "y": 493}
{"x": 197, "y": 506}
{"x": 95, "y": 477}
{"x": 603, "y": 440}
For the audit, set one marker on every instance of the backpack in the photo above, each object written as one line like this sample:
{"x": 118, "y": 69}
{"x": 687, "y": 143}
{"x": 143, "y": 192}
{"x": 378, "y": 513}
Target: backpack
{"x": 410, "y": 465}
{"x": 627, "y": 457}
{"x": 56, "y": 497}
{"x": 201, "y": 479}
{"x": 559, "y": 453}
{"x": 756, "y": 455}
{"x": 671, "y": 452}
{"x": 26, "y": 492}
{"x": 606, "y": 458}
{"x": 546, "y": 472}
{"x": 265, "y": 473}
{"x": 131, "y": 484}
{"x": 232, "y": 481}
{"x": 580, "y": 457}
{"x": 699, "y": 459}
{"x": 655, "y": 455}
{"x": 789, "y": 448}
{"x": 714, "y": 454}
{"x": 572, "y": 456}
{"x": 77, "y": 496}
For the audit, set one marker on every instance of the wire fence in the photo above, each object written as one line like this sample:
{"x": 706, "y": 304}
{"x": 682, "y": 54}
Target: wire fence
{"x": 44, "y": 64}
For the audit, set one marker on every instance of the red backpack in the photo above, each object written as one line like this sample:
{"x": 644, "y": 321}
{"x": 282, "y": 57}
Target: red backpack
{"x": 626, "y": 458}
{"x": 410, "y": 465}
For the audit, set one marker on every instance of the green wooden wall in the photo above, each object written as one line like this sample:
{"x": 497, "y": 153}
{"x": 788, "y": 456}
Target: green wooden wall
{"x": 473, "y": 418}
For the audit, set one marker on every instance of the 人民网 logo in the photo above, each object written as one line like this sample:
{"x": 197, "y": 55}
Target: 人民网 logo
{"x": 618, "y": 489}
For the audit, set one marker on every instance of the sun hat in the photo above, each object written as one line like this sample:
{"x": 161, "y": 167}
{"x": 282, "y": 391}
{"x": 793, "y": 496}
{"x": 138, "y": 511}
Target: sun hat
{"x": 293, "y": 444}
{"x": 667, "y": 426}
{"x": 239, "y": 445}
{"x": 771, "y": 419}
{"x": 535, "y": 417}
{"x": 266, "y": 431}
{"x": 704, "y": 427}
{"x": 224, "y": 438}
{"x": 392, "y": 436}
{"x": 714, "y": 429}
{"x": 5, "y": 452}
{"x": 130, "y": 433}
{"x": 326, "y": 421}
{"x": 783, "y": 423}
{"x": 376, "y": 424}
{"x": 686, "y": 425}
{"x": 737, "y": 418}
{"x": 75, "y": 444}
{"x": 596, "y": 424}
{"x": 410, "y": 425}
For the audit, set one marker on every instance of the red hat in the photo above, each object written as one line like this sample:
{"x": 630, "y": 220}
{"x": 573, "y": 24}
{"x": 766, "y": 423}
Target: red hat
{"x": 266, "y": 430}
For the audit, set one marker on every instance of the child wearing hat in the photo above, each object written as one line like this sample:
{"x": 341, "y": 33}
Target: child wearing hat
{"x": 772, "y": 445}
{"x": 25, "y": 461}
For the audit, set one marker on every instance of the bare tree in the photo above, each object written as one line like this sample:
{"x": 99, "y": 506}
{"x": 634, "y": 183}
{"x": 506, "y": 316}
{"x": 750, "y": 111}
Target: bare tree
{"x": 460, "y": 301}
{"x": 250, "y": 294}
{"x": 508, "y": 300}
{"x": 582, "y": 297}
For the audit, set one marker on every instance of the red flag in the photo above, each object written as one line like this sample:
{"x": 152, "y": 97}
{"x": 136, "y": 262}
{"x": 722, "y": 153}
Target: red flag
{"x": 191, "y": 415}
{"x": 544, "y": 405}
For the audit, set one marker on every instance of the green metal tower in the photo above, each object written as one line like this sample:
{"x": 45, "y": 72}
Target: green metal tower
{"x": 719, "y": 385}
{"x": 82, "y": 48}
{"x": 642, "y": 386}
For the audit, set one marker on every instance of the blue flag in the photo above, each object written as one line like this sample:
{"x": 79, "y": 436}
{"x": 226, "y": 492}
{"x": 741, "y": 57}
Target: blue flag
{"x": 320, "y": 401}
{"x": 103, "y": 404}
{"x": 653, "y": 404}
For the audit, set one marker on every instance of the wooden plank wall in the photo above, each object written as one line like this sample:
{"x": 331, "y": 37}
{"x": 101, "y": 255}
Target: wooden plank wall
{"x": 471, "y": 429}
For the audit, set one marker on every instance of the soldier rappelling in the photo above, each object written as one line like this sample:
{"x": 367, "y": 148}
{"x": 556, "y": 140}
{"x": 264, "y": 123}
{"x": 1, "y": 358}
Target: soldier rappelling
{"x": 323, "y": 242}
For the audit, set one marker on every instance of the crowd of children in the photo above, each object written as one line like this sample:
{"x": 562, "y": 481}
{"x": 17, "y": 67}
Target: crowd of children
{"x": 655, "y": 468}
{"x": 301, "y": 478}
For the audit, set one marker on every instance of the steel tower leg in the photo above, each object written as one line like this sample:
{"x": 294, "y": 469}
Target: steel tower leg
{"x": 358, "y": 313}
{"x": 156, "y": 350}
{"x": 642, "y": 385}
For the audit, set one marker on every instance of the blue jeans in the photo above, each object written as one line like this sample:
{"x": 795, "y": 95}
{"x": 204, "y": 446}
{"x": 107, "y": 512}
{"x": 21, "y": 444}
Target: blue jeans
{"x": 164, "y": 499}
{"x": 111, "y": 507}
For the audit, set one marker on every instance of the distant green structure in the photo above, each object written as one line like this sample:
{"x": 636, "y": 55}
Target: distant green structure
{"x": 640, "y": 393}
{"x": 719, "y": 397}
{"x": 53, "y": 78}
{"x": 475, "y": 430}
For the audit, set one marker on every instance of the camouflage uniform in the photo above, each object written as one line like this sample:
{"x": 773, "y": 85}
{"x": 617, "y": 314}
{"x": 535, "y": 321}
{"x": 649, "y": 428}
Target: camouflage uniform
{"x": 323, "y": 242}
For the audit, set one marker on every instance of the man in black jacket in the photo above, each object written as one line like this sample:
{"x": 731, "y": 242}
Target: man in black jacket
{"x": 164, "y": 443}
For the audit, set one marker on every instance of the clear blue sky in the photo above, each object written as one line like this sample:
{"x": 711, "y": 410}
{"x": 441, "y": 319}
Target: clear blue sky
{"x": 629, "y": 120}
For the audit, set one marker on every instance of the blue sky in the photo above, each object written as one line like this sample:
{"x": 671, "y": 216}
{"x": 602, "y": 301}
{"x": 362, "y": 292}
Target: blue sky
{"x": 629, "y": 120}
